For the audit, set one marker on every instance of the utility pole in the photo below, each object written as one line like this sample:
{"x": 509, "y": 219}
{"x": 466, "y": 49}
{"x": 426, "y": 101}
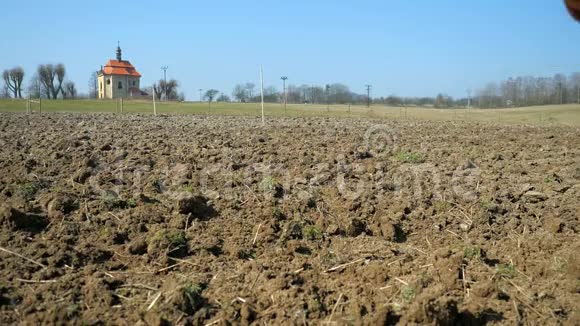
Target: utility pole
{"x": 284, "y": 78}
{"x": 469, "y": 98}
{"x": 368, "y": 95}
{"x": 164, "y": 68}
{"x": 200, "y": 98}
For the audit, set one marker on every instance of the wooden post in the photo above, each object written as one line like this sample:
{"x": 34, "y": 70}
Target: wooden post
{"x": 121, "y": 105}
{"x": 28, "y": 105}
{"x": 40, "y": 104}
{"x": 154, "y": 106}
{"x": 348, "y": 107}
{"x": 261, "y": 94}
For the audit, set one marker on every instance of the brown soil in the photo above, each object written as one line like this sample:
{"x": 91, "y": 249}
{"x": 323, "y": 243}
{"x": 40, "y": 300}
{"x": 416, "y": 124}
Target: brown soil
{"x": 192, "y": 220}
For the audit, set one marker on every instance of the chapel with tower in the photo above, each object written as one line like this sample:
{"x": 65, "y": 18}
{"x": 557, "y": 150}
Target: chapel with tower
{"x": 119, "y": 79}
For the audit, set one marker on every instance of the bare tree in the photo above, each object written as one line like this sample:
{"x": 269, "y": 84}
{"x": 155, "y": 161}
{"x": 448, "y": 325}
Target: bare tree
{"x": 250, "y": 90}
{"x": 60, "y": 73}
{"x": 240, "y": 93}
{"x": 271, "y": 95}
{"x": 4, "y": 91}
{"x": 223, "y": 98}
{"x": 172, "y": 89}
{"x": 51, "y": 77}
{"x": 13, "y": 80}
{"x": 46, "y": 77}
{"x": 34, "y": 88}
{"x": 575, "y": 84}
{"x": 210, "y": 94}
{"x": 69, "y": 90}
{"x": 93, "y": 88}
{"x": 443, "y": 101}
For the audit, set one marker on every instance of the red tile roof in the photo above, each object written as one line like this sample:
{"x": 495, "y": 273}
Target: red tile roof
{"x": 123, "y": 67}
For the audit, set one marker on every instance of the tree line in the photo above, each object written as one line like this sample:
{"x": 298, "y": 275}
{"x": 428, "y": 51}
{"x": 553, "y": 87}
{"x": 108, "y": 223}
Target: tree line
{"x": 49, "y": 81}
{"x": 335, "y": 93}
{"x": 530, "y": 91}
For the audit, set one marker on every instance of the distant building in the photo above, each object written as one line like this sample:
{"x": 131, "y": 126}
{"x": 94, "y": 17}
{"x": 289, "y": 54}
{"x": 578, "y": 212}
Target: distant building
{"x": 119, "y": 79}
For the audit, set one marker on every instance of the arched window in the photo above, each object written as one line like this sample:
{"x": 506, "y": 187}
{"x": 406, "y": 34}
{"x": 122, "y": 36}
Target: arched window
{"x": 120, "y": 85}
{"x": 109, "y": 81}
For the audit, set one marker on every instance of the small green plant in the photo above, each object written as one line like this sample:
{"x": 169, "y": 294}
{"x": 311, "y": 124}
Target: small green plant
{"x": 131, "y": 202}
{"x": 111, "y": 201}
{"x": 188, "y": 188}
{"x": 30, "y": 189}
{"x": 441, "y": 206}
{"x": 559, "y": 264}
{"x": 487, "y": 204}
{"x": 506, "y": 270}
{"x": 472, "y": 252}
{"x": 269, "y": 183}
{"x": 408, "y": 293}
{"x": 174, "y": 240}
{"x": 548, "y": 179}
{"x": 310, "y": 232}
{"x": 408, "y": 157}
{"x": 104, "y": 233}
{"x": 191, "y": 297}
{"x": 277, "y": 213}
{"x": 72, "y": 310}
{"x": 247, "y": 254}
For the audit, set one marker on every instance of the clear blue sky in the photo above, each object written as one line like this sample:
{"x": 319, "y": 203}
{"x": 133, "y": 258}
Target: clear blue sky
{"x": 408, "y": 48}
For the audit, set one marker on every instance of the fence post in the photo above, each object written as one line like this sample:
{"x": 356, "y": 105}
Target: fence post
{"x": 40, "y": 104}
{"x": 28, "y": 104}
{"x": 154, "y": 106}
{"x": 121, "y": 105}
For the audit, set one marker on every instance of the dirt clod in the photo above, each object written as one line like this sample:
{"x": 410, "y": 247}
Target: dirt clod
{"x": 188, "y": 203}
